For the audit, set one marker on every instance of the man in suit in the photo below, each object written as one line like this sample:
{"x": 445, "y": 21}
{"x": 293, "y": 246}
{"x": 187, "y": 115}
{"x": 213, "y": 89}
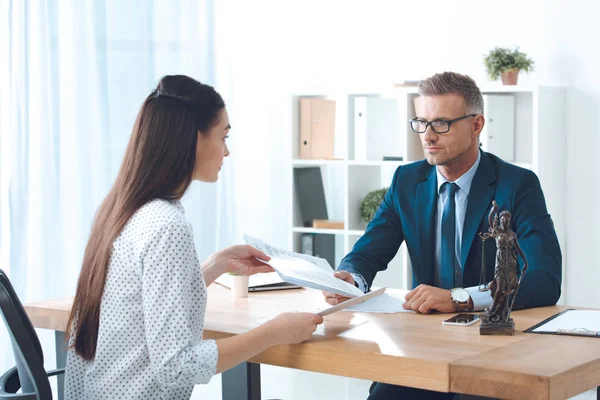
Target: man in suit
{"x": 438, "y": 206}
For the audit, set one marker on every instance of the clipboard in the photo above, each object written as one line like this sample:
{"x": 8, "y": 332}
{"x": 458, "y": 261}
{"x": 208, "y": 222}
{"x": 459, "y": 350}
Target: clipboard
{"x": 572, "y": 331}
{"x": 544, "y": 322}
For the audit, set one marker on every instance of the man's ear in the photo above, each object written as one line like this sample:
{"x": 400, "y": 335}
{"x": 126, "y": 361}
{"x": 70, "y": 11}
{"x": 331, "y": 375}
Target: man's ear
{"x": 478, "y": 124}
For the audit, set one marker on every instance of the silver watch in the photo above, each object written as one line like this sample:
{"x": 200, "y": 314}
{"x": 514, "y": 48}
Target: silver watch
{"x": 460, "y": 297}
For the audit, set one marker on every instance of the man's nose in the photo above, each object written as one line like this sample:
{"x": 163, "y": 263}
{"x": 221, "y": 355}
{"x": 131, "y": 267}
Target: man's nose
{"x": 429, "y": 135}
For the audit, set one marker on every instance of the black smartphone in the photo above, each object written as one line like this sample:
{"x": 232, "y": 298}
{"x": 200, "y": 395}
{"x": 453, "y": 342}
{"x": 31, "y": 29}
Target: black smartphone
{"x": 462, "y": 320}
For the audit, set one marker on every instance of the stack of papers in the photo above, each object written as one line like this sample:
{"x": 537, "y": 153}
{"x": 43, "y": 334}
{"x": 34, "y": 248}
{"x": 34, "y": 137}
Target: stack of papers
{"x": 304, "y": 270}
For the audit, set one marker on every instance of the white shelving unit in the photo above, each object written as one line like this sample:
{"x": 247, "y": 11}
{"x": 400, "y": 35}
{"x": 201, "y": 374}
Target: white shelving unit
{"x": 380, "y": 122}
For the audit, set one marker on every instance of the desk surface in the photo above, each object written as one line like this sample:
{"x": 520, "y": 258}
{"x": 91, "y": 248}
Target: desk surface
{"x": 404, "y": 349}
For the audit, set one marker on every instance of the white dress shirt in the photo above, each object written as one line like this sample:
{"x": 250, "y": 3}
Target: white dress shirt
{"x": 151, "y": 316}
{"x": 481, "y": 300}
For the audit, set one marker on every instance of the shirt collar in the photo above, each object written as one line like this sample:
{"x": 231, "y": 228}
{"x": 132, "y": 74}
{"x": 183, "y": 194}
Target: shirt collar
{"x": 465, "y": 180}
{"x": 178, "y": 206}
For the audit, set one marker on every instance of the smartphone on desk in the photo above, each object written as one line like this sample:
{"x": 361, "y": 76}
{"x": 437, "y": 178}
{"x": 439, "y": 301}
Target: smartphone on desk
{"x": 462, "y": 320}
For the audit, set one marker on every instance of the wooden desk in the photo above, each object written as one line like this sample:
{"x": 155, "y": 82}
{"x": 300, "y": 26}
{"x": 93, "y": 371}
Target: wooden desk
{"x": 403, "y": 349}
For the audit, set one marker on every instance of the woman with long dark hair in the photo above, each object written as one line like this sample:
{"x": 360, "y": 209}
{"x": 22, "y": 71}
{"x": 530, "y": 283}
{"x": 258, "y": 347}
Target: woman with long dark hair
{"x": 135, "y": 328}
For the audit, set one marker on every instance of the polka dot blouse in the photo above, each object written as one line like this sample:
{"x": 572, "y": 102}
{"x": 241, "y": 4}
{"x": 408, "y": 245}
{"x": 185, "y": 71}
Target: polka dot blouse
{"x": 151, "y": 317}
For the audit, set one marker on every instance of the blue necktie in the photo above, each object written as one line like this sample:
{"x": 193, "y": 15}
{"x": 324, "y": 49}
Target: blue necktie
{"x": 448, "y": 240}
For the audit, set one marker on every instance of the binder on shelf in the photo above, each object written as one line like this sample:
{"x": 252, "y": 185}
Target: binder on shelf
{"x": 498, "y": 134}
{"x": 376, "y": 129}
{"x": 321, "y": 245}
{"x": 317, "y": 128}
{"x": 311, "y": 195}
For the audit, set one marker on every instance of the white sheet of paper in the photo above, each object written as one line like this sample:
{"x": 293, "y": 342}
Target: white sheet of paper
{"x": 301, "y": 269}
{"x": 389, "y": 302}
{"x": 354, "y": 301}
{"x": 573, "y": 320}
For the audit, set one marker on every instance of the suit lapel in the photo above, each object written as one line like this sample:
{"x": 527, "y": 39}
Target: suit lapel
{"x": 479, "y": 204}
{"x": 426, "y": 211}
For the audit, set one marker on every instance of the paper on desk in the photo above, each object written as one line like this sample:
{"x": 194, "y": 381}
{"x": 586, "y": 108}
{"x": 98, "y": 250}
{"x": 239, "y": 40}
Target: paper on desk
{"x": 304, "y": 270}
{"x": 388, "y": 302}
{"x": 573, "y": 320}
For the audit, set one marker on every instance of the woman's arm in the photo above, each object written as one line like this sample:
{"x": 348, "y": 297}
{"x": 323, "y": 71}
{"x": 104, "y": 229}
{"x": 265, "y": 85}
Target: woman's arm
{"x": 286, "y": 328}
{"x": 212, "y": 269}
{"x": 241, "y": 259}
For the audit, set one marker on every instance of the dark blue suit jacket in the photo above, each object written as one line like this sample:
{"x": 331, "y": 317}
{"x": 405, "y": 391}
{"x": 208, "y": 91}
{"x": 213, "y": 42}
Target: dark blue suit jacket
{"x": 408, "y": 212}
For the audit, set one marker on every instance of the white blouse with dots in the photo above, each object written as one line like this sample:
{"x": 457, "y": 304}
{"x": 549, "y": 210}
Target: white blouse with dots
{"x": 151, "y": 317}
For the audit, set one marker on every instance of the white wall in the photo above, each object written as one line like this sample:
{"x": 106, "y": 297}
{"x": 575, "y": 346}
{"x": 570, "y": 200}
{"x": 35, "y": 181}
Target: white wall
{"x": 314, "y": 46}
{"x": 267, "y": 50}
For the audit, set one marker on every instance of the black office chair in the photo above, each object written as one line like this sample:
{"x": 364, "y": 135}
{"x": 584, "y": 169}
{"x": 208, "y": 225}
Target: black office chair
{"x": 28, "y": 351}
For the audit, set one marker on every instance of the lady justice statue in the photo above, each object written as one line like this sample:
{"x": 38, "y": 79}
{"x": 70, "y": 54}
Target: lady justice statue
{"x": 496, "y": 320}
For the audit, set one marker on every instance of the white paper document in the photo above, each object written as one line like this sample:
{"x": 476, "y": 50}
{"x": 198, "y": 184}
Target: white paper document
{"x": 583, "y": 322}
{"x": 304, "y": 270}
{"x": 353, "y": 301}
{"x": 388, "y": 303}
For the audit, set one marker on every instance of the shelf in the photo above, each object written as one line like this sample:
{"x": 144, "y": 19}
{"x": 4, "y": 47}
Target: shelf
{"x": 378, "y": 163}
{"x": 353, "y": 232}
{"x": 491, "y": 88}
{"x": 507, "y": 89}
{"x": 356, "y": 232}
{"x": 318, "y": 230}
{"x": 300, "y": 163}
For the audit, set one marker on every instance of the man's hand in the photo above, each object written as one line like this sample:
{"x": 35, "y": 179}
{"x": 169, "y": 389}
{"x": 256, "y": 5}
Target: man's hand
{"x": 424, "y": 299}
{"x": 333, "y": 298}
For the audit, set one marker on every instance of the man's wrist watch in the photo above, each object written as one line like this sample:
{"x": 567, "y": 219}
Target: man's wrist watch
{"x": 460, "y": 297}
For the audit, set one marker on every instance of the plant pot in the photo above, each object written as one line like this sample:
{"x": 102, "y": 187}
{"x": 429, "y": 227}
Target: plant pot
{"x": 239, "y": 286}
{"x": 510, "y": 77}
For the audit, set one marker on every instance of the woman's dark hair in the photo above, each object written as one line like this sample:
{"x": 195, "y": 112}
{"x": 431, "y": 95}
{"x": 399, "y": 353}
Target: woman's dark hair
{"x": 158, "y": 164}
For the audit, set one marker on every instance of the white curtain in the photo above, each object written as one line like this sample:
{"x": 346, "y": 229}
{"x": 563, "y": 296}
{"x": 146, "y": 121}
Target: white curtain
{"x": 73, "y": 76}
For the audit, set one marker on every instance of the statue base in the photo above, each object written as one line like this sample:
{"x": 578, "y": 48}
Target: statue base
{"x": 489, "y": 327}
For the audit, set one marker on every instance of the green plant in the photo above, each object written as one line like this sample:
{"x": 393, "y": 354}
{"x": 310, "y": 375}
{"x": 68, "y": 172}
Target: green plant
{"x": 371, "y": 203}
{"x": 502, "y": 59}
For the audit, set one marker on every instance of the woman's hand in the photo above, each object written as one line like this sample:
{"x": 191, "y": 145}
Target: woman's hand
{"x": 242, "y": 260}
{"x": 291, "y": 328}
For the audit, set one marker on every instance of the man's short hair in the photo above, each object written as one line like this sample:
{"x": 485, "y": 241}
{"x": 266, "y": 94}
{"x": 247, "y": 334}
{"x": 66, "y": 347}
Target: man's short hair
{"x": 453, "y": 83}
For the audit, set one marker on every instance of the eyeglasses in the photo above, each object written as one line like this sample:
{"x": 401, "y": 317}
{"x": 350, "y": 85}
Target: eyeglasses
{"x": 438, "y": 126}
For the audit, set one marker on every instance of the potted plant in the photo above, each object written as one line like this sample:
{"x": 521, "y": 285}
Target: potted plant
{"x": 371, "y": 203}
{"x": 506, "y": 63}
{"x": 239, "y": 285}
